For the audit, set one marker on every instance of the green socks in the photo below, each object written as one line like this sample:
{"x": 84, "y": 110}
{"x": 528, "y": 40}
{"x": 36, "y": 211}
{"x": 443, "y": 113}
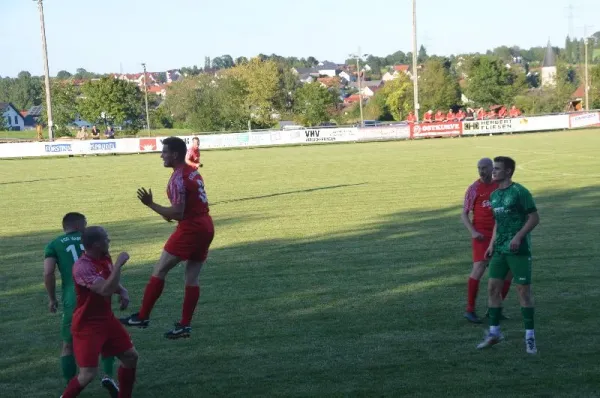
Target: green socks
{"x": 494, "y": 314}
{"x": 68, "y": 366}
{"x": 527, "y": 317}
{"x": 107, "y": 366}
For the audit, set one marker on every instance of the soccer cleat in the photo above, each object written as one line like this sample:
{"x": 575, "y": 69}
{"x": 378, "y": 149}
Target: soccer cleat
{"x": 134, "y": 320}
{"x": 110, "y": 385}
{"x": 530, "y": 346}
{"x": 180, "y": 332}
{"x": 490, "y": 340}
{"x": 472, "y": 317}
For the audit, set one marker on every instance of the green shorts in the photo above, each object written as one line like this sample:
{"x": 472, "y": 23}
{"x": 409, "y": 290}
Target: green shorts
{"x": 520, "y": 265}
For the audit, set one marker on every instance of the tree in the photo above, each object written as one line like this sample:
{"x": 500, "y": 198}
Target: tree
{"x": 438, "y": 88}
{"x": 160, "y": 117}
{"x": 399, "y": 96}
{"x": 64, "y": 106}
{"x": 208, "y": 104}
{"x": 288, "y": 83}
{"x": 241, "y": 60}
{"x": 161, "y": 77}
{"x": 313, "y": 104}
{"x": 594, "y": 92}
{"x": 23, "y": 92}
{"x": 422, "y": 57}
{"x": 63, "y": 75}
{"x": 120, "y": 102}
{"x": 261, "y": 81}
{"x": 490, "y": 82}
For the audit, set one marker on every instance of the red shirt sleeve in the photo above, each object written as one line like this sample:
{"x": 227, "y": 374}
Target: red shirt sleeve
{"x": 470, "y": 197}
{"x": 85, "y": 273}
{"x": 177, "y": 188}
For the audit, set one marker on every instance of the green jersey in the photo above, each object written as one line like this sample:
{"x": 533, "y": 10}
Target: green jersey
{"x": 66, "y": 249}
{"x": 511, "y": 207}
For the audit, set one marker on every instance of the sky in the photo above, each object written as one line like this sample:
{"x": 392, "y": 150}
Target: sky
{"x": 113, "y": 35}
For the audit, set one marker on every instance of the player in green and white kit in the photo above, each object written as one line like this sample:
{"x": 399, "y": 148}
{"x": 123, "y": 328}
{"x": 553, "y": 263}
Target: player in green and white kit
{"x": 510, "y": 249}
{"x": 64, "y": 252}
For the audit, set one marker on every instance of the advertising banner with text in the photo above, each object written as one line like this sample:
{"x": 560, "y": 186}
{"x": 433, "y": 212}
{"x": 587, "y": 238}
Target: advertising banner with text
{"x": 424, "y": 130}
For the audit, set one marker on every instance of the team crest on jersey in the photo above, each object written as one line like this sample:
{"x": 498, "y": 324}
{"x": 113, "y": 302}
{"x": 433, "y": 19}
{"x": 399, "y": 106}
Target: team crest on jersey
{"x": 486, "y": 203}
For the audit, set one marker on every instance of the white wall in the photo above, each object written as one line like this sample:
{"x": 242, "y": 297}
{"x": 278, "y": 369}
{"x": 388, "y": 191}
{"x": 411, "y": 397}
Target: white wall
{"x": 9, "y": 119}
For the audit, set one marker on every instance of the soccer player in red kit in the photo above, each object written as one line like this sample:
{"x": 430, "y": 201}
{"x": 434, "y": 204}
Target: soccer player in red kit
{"x": 189, "y": 242}
{"x": 192, "y": 157}
{"x": 477, "y": 201}
{"x": 95, "y": 328}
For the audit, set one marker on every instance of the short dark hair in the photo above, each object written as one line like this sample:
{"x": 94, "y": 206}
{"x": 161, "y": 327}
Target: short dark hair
{"x": 176, "y": 145}
{"x": 196, "y": 139}
{"x": 509, "y": 163}
{"x": 92, "y": 235}
{"x": 70, "y": 220}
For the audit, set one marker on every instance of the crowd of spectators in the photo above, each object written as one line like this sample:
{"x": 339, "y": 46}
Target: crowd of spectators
{"x": 499, "y": 112}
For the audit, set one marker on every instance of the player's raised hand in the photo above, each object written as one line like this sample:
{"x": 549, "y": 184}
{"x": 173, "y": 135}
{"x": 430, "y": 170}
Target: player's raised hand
{"x": 53, "y": 306}
{"x": 145, "y": 196}
{"x": 122, "y": 259}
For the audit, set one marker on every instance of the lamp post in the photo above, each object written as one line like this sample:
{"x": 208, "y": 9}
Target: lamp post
{"x": 358, "y": 56}
{"x": 146, "y": 95}
{"x": 46, "y": 70}
{"x": 414, "y": 62}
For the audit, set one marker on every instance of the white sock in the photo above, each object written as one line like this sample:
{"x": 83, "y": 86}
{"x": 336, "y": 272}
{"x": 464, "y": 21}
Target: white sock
{"x": 495, "y": 330}
{"x": 529, "y": 334}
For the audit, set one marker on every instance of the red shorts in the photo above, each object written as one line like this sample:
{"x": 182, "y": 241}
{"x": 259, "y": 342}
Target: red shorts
{"x": 191, "y": 240}
{"x": 109, "y": 339}
{"x": 479, "y": 248}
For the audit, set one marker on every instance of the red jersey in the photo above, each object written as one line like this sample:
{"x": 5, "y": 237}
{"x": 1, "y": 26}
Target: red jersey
{"x": 477, "y": 200}
{"x": 187, "y": 186}
{"x": 91, "y": 307}
{"x": 193, "y": 154}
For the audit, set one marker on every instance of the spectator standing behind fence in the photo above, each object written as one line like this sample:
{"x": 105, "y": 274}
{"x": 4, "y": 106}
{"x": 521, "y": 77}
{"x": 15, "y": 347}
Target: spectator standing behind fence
{"x": 439, "y": 116}
{"x": 450, "y": 117}
{"x": 95, "y": 133}
{"x": 411, "y": 118}
{"x": 110, "y": 132}
{"x": 82, "y": 134}
{"x": 514, "y": 112}
{"x": 428, "y": 116}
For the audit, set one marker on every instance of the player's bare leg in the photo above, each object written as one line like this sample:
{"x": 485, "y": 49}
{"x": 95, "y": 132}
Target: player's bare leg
{"x": 527, "y": 309}
{"x": 127, "y": 371}
{"x": 192, "y": 294}
{"x": 505, "y": 289}
{"x": 494, "y": 303}
{"x": 153, "y": 290}
{"x": 473, "y": 287}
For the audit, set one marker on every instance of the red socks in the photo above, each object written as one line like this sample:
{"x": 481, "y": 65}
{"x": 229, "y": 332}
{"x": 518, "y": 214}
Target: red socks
{"x": 153, "y": 291}
{"x": 73, "y": 389}
{"x": 126, "y": 381}
{"x": 505, "y": 289}
{"x": 192, "y": 294}
{"x": 473, "y": 288}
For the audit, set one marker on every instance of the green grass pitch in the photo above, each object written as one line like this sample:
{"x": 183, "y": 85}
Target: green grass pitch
{"x": 336, "y": 270}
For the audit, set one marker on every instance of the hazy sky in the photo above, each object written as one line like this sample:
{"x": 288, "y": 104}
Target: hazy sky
{"x": 101, "y": 36}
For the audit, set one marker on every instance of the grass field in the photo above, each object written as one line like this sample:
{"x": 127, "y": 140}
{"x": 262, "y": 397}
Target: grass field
{"x": 336, "y": 270}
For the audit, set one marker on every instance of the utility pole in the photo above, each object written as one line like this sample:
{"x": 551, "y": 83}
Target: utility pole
{"x": 46, "y": 71}
{"x": 358, "y": 57}
{"x": 146, "y": 95}
{"x": 415, "y": 74}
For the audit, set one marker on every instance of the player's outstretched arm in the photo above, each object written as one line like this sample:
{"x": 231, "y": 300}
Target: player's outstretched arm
{"x": 174, "y": 212}
{"x": 110, "y": 286}
{"x": 50, "y": 282}
{"x": 189, "y": 162}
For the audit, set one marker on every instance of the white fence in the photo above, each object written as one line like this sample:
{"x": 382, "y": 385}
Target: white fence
{"x": 307, "y": 136}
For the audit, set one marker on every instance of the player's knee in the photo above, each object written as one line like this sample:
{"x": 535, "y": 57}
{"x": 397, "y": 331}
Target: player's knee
{"x": 495, "y": 287}
{"x": 67, "y": 348}
{"x": 87, "y": 375}
{"x": 525, "y": 298}
{"x": 129, "y": 359}
{"x": 478, "y": 270}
